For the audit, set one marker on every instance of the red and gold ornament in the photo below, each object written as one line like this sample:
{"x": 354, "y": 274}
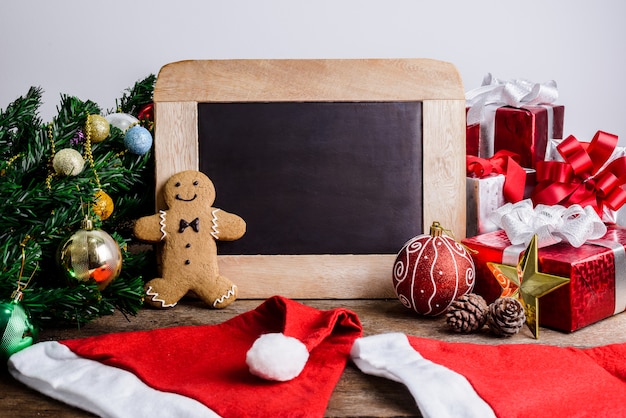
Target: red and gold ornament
{"x": 431, "y": 271}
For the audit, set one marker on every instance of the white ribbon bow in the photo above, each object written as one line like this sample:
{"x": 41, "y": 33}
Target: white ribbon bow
{"x": 514, "y": 93}
{"x": 552, "y": 224}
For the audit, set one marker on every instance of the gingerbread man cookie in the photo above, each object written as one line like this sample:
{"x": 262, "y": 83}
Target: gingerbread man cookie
{"x": 188, "y": 231}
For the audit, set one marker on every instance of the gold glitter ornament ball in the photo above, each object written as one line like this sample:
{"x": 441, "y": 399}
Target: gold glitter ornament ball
{"x": 97, "y": 128}
{"x": 68, "y": 162}
{"x": 103, "y": 205}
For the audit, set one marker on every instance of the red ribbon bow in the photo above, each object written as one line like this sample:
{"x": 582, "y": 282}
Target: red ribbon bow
{"x": 503, "y": 162}
{"x": 581, "y": 178}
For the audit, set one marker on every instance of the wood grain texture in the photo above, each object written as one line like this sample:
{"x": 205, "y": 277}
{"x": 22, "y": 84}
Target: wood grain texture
{"x": 176, "y": 141}
{"x": 308, "y": 80}
{"x": 444, "y": 165}
{"x": 181, "y": 85}
{"x": 356, "y": 394}
{"x": 328, "y": 276}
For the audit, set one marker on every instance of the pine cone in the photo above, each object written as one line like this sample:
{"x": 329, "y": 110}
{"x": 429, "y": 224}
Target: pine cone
{"x": 467, "y": 314}
{"x": 506, "y": 317}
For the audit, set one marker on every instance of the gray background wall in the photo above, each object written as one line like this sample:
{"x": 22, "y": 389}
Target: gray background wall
{"x": 94, "y": 50}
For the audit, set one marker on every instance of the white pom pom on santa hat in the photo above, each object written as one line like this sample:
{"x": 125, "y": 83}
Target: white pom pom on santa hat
{"x": 277, "y": 356}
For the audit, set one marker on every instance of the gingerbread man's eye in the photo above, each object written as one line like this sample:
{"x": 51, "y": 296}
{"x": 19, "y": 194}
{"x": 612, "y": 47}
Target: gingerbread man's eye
{"x": 195, "y": 183}
{"x": 177, "y": 184}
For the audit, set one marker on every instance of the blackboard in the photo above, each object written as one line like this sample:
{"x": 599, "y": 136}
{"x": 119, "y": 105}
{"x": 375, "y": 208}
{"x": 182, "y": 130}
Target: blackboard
{"x": 333, "y": 163}
{"x": 316, "y": 178}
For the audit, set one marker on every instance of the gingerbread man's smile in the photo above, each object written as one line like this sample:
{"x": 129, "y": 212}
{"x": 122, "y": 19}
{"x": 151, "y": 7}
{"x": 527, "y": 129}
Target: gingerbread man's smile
{"x": 186, "y": 200}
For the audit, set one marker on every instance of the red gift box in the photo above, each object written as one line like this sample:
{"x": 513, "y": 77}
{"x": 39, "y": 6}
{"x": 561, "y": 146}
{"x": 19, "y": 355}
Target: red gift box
{"x": 479, "y": 137}
{"x": 526, "y": 130}
{"x": 592, "y": 174}
{"x": 472, "y": 138}
{"x": 597, "y": 272}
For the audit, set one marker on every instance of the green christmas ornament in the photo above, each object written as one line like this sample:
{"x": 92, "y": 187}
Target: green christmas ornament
{"x": 17, "y": 330}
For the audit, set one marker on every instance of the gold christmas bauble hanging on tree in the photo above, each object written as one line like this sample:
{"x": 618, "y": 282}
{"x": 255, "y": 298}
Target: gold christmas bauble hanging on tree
{"x": 97, "y": 128}
{"x": 90, "y": 255}
{"x": 68, "y": 162}
{"x": 103, "y": 205}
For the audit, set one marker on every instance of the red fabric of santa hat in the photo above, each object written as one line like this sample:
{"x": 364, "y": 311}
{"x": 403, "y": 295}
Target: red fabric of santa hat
{"x": 212, "y": 370}
{"x": 508, "y": 380}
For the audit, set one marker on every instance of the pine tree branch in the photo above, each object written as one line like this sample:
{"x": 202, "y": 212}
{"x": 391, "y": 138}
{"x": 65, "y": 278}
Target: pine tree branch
{"x": 35, "y": 201}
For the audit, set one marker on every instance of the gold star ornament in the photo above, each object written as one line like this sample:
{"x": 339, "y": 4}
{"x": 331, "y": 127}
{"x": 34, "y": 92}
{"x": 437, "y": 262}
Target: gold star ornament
{"x": 527, "y": 283}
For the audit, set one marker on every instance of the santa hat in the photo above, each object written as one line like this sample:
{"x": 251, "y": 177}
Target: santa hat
{"x": 197, "y": 371}
{"x": 508, "y": 380}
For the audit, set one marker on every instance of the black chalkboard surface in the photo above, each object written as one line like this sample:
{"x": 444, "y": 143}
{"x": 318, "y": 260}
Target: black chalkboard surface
{"x": 316, "y": 178}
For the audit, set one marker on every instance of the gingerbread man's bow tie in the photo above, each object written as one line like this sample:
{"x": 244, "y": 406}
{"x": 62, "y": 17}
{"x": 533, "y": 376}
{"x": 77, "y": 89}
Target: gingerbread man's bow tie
{"x": 195, "y": 225}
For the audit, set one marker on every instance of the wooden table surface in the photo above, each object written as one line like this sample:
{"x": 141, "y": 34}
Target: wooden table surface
{"x": 355, "y": 395}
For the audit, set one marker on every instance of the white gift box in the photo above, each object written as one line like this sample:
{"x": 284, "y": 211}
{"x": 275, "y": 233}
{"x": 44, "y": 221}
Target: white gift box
{"x": 484, "y": 195}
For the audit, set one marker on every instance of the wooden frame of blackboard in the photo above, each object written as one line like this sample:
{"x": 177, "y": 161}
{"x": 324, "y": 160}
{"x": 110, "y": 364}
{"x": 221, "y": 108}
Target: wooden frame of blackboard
{"x": 437, "y": 85}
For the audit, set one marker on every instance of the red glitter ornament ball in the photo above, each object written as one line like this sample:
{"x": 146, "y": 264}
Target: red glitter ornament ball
{"x": 431, "y": 271}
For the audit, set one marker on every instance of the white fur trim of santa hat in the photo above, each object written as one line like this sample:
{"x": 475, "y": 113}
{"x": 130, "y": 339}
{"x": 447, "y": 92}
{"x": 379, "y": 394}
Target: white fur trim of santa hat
{"x": 438, "y": 391}
{"x": 276, "y": 356}
{"x": 54, "y": 370}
